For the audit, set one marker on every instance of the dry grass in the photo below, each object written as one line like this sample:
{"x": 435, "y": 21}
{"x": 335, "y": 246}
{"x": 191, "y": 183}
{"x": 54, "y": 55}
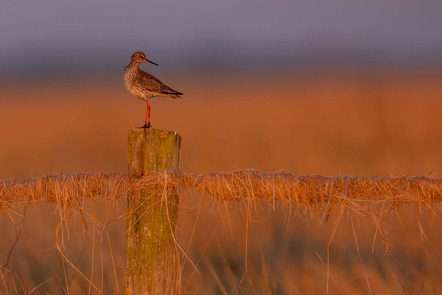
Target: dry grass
{"x": 65, "y": 191}
{"x": 313, "y": 193}
{"x": 307, "y": 196}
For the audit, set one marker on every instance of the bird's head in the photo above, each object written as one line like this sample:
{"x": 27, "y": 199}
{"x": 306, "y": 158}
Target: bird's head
{"x": 139, "y": 57}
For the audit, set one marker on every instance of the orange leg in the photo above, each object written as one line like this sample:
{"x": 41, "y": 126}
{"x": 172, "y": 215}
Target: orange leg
{"x": 147, "y": 120}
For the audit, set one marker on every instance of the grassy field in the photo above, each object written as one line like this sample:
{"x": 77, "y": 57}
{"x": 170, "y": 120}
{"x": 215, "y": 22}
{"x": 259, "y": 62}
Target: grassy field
{"x": 348, "y": 124}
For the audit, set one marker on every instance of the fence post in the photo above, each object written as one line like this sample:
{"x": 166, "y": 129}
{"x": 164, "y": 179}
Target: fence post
{"x": 152, "y": 258}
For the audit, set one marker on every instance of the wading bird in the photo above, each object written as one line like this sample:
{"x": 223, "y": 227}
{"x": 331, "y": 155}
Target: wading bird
{"x": 143, "y": 85}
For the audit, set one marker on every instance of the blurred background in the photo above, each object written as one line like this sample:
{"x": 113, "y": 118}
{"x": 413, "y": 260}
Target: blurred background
{"x": 331, "y": 88}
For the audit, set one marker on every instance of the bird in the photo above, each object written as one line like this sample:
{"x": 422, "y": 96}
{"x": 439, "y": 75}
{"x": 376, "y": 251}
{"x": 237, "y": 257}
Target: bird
{"x": 145, "y": 86}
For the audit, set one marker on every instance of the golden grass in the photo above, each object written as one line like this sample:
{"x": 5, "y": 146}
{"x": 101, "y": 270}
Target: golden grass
{"x": 314, "y": 193}
{"x": 319, "y": 124}
{"x": 383, "y": 123}
{"x": 66, "y": 191}
{"x": 304, "y": 195}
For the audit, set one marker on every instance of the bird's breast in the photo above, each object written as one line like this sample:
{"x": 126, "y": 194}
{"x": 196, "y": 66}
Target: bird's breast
{"x": 133, "y": 86}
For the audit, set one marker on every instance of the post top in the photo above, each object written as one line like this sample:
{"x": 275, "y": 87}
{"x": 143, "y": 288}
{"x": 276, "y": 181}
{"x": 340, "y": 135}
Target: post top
{"x": 152, "y": 150}
{"x": 152, "y": 132}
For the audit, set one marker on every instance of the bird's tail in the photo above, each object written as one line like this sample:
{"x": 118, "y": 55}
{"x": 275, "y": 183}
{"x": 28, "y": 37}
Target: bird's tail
{"x": 174, "y": 94}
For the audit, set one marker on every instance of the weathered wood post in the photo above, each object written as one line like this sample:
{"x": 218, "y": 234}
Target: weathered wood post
{"x": 152, "y": 258}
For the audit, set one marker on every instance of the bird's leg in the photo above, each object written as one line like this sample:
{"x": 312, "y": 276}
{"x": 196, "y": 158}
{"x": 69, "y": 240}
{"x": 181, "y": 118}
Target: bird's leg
{"x": 147, "y": 120}
{"x": 148, "y": 116}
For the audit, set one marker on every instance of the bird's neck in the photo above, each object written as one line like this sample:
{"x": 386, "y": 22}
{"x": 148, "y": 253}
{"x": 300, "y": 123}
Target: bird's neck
{"x": 132, "y": 66}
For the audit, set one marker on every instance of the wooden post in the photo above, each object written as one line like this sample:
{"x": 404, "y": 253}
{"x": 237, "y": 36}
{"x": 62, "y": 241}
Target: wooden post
{"x": 152, "y": 258}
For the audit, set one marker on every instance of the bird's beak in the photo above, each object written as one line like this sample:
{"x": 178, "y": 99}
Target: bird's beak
{"x": 150, "y": 61}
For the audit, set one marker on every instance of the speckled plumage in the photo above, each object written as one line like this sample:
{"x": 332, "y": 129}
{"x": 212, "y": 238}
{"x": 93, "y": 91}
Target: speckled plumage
{"x": 143, "y": 85}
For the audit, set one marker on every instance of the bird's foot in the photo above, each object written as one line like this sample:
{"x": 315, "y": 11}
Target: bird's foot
{"x": 145, "y": 126}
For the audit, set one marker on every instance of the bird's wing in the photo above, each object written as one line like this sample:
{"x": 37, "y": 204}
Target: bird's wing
{"x": 155, "y": 85}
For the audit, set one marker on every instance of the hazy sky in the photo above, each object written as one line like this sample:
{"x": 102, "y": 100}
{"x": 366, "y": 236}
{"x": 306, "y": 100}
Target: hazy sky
{"x": 42, "y": 35}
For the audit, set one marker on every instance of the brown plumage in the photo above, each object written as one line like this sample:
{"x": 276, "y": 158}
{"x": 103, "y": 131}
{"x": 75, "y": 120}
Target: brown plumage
{"x": 143, "y": 85}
